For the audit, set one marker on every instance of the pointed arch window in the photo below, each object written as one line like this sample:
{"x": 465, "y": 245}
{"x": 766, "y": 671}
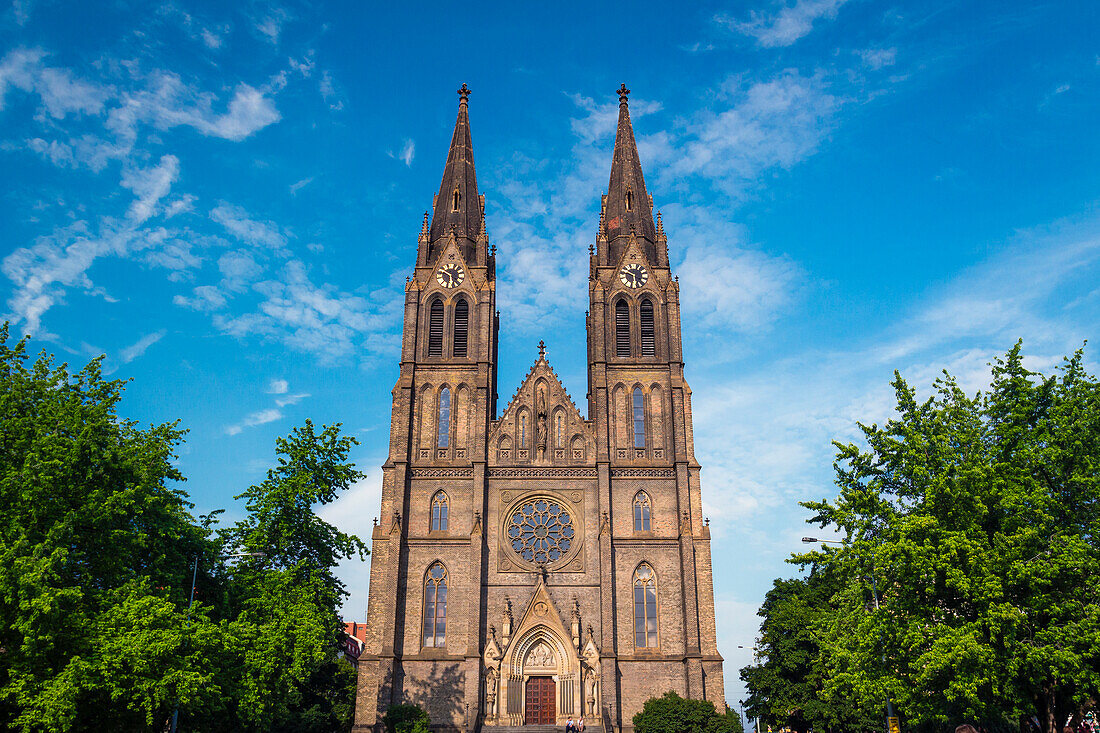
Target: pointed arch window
{"x": 435, "y": 329}
{"x": 456, "y": 199}
{"x": 435, "y": 605}
{"x": 645, "y": 607}
{"x": 439, "y": 512}
{"x": 559, "y": 430}
{"x": 649, "y": 343}
{"x": 641, "y": 512}
{"x": 462, "y": 326}
{"x": 523, "y": 430}
{"x": 639, "y": 417}
{"x": 622, "y": 329}
{"x": 629, "y": 200}
{"x": 444, "y": 435}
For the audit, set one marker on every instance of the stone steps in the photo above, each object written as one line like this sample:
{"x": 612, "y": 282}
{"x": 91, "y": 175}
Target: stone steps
{"x": 536, "y": 729}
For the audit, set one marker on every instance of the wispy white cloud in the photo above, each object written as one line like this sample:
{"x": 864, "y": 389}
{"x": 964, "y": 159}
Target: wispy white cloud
{"x": 260, "y": 417}
{"x": 138, "y": 348}
{"x": 278, "y": 386}
{"x": 317, "y": 319}
{"x": 878, "y": 58}
{"x": 59, "y": 91}
{"x": 407, "y": 153}
{"x": 248, "y": 230}
{"x": 299, "y": 185}
{"x": 150, "y": 186}
{"x": 291, "y": 399}
{"x": 787, "y": 25}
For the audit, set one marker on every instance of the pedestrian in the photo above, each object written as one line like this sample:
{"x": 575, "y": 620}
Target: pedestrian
{"x": 569, "y": 727}
{"x": 580, "y": 725}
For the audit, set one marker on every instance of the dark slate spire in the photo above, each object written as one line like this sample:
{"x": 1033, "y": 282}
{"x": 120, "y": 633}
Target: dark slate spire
{"x": 458, "y": 205}
{"x": 627, "y": 207}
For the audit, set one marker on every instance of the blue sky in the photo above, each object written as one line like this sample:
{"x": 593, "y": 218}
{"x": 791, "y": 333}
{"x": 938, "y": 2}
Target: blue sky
{"x": 225, "y": 202}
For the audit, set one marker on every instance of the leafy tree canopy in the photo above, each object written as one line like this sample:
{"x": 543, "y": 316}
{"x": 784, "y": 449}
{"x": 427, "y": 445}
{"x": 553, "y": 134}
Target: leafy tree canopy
{"x": 97, "y": 549}
{"x": 974, "y": 520}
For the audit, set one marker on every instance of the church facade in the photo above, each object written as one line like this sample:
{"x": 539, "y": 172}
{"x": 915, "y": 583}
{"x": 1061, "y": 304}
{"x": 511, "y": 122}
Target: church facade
{"x": 540, "y": 563}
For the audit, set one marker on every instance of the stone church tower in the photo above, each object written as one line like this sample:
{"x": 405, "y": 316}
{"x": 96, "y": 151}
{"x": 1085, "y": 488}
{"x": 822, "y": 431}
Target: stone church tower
{"x": 539, "y": 564}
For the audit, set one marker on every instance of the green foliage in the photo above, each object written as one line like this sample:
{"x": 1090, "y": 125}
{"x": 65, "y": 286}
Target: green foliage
{"x": 976, "y": 519}
{"x": 671, "y": 713}
{"x": 786, "y": 686}
{"x": 406, "y": 719}
{"x": 96, "y": 550}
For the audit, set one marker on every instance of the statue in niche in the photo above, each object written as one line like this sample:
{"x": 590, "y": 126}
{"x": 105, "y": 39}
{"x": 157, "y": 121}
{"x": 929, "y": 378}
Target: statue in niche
{"x": 590, "y": 680}
{"x": 540, "y": 416}
{"x": 490, "y": 693}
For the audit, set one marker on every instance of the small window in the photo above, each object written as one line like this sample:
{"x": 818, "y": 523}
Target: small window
{"x": 559, "y": 431}
{"x": 639, "y": 418}
{"x": 435, "y": 606}
{"x": 641, "y": 512}
{"x": 444, "y": 440}
{"x": 455, "y": 200}
{"x": 622, "y": 329}
{"x": 645, "y": 608}
{"x": 629, "y": 200}
{"x": 523, "y": 430}
{"x": 649, "y": 345}
{"x": 435, "y": 329}
{"x": 439, "y": 512}
{"x": 462, "y": 325}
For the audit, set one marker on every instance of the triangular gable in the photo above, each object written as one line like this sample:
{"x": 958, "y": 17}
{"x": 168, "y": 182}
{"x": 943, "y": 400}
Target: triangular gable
{"x": 556, "y": 396}
{"x": 635, "y": 253}
{"x": 541, "y": 611}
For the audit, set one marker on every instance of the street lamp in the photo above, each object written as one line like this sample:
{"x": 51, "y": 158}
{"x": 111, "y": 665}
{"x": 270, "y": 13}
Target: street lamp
{"x": 191, "y": 602}
{"x": 891, "y": 718}
{"x": 756, "y": 721}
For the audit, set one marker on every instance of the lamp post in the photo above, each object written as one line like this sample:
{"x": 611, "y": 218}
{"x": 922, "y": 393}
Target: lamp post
{"x": 191, "y": 602}
{"x": 892, "y": 725}
{"x": 756, "y": 721}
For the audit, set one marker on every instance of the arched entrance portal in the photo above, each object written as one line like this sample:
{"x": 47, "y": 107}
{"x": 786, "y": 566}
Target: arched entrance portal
{"x": 541, "y": 674}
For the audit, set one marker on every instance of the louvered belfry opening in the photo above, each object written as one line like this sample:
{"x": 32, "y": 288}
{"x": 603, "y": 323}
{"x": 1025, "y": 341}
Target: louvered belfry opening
{"x": 462, "y": 324}
{"x": 435, "y": 329}
{"x": 622, "y": 329}
{"x": 649, "y": 344}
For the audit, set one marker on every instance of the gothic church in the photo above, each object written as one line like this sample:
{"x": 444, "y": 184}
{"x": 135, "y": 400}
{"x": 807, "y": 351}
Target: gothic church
{"x": 538, "y": 564}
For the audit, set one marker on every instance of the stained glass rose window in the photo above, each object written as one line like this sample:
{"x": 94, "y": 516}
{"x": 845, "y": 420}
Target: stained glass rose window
{"x": 541, "y": 531}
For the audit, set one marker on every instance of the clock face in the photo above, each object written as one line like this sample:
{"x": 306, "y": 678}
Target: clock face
{"x": 450, "y": 276}
{"x": 633, "y": 276}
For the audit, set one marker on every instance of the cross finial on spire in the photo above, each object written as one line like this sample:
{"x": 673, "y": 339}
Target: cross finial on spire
{"x": 542, "y": 350}
{"x": 623, "y": 93}
{"x": 463, "y": 93}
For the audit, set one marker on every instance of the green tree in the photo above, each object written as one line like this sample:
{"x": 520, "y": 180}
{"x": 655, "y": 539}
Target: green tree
{"x": 96, "y": 549}
{"x": 786, "y": 685}
{"x": 95, "y": 537}
{"x": 288, "y": 604}
{"x": 671, "y": 713}
{"x": 977, "y": 518}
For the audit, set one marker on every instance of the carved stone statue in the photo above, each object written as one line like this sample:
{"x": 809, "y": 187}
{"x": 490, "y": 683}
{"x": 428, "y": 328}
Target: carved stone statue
{"x": 490, "y": 693}
{"x": 590, "y": 679}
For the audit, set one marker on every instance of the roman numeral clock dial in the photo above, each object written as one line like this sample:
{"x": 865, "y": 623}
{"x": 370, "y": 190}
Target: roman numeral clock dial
{"x": 450, "y": 276}
{"x": 633, "y": 276}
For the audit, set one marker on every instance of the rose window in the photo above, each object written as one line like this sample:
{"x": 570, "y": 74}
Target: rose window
{"x": 541, "y": 531}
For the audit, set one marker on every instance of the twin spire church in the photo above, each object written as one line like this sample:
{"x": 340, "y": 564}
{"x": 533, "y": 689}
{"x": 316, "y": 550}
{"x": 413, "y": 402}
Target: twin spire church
{"x": 536, "y": 564}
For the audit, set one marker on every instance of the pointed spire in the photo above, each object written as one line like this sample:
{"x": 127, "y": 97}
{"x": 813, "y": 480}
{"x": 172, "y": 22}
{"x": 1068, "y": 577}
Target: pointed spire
{"x": 458, "y": 205}
{"x": 628, "y": 208}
